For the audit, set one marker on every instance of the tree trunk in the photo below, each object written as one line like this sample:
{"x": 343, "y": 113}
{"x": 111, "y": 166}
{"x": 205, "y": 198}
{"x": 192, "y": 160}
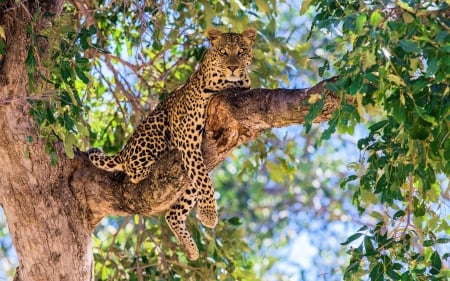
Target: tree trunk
{"x": 52, "y": 210}
{"x": 48, "y": 227}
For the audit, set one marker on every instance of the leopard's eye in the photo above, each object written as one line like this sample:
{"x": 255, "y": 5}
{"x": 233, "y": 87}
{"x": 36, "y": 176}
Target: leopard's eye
{"x": 222, "y": 51}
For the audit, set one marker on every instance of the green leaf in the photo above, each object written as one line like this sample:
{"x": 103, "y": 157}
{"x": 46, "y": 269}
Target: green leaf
{"x": 305, "y": 6}
{"x": 368, "y": 197}
{"x": 314, "y": 110}
{"x": 331, "y": 126}
{"x": 81, "y": 75}
{"x": 407, "y": 276}
{"x": 66, "y": 71}
{"x": 377, "y": 272}
{"x": 375, "y": 18}
{"x": 352, "y": 268}
{"x": 398, "y": 111}
{"x": 236, "y": 221}
{"x": 369, "y": 59}
{"x": 277, "y": 171}
{"x": 360, "y": 22}
{"x": 443, "y": 240}
{"x": 370, "y": 251}
{"x": 81, "y": 129}
{"x": 347, "y": 180}
{"x": 419, "y": 210}
{"x": 30, "y": 61}
{"x": 428, "y": 243}
{"x": 392, "y": 274}
{"x": 397, "y": 266}
{"x": 409, "y": 46}
{"x": 436, "y": 263}
{"x": 69, "y": 142}
{"x": 363, "y": 228}
{"x": 2, "y": 47}
{"x": 263, "y": 6}
{"x": 408, "y": 18}
{"x": 375, "y": 127}
{"x": 419, "y": 132}
{"x": 352, "y": 238}
{"x": 432, "y": 66}
{"x": 398, "y": 214}
{"x": 325, "y": 66}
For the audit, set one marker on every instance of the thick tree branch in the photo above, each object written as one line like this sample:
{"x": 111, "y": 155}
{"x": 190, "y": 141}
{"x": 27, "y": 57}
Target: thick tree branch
{"x": 234, "y": 117}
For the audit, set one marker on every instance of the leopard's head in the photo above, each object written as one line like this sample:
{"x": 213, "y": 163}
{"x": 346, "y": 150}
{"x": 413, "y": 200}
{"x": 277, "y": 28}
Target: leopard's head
{"x": 227, "y": 60}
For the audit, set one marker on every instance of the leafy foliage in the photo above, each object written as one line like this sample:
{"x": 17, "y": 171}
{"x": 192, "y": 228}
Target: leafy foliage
{"x": 59, "y": 111}
{"x": 137, "y": 250}
{"x": 394, "y": 63}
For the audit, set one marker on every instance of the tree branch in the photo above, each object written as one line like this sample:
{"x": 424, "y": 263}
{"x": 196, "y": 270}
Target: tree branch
{"x": 235, "y": 116}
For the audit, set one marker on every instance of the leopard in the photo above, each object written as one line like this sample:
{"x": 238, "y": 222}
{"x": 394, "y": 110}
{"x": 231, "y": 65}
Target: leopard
{"x": 178, "y": 122}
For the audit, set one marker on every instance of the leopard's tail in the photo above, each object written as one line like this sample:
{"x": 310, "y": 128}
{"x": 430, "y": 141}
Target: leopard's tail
{"x": 105, "y": 162}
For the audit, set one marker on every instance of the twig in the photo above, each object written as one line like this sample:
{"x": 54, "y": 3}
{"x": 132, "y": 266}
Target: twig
{"x": 125, "y": 221}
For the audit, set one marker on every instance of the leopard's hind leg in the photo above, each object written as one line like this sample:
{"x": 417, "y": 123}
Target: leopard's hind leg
{"x": 176, "y": 219}
{"x": 202, "y": 186}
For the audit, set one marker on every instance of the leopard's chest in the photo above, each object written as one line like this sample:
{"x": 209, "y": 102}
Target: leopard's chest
{"x": 187, "y": 116}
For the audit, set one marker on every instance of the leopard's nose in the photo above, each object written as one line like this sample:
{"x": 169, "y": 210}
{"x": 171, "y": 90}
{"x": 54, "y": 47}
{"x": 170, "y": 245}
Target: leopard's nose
{"x": 232, "y": 67}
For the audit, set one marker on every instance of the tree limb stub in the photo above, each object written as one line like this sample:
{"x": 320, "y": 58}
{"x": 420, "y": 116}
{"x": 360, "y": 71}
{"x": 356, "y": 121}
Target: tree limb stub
{"x": 235, "y": 117}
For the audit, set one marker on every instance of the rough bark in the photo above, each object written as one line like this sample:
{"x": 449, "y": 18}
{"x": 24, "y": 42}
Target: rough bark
{"x": 52, "y": 210}
{"x": 48, "y": 226}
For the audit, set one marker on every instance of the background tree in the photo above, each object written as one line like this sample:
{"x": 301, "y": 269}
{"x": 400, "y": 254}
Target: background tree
{"x": 84, "y": 73}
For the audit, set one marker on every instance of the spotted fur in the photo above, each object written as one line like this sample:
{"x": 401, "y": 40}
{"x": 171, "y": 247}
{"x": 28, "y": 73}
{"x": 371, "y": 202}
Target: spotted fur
{"x": 178, "y": 122}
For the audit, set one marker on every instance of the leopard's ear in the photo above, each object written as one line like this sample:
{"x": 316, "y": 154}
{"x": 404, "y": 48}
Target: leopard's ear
{"x": 249, "y": 35}
{"x": 213, "y": 34}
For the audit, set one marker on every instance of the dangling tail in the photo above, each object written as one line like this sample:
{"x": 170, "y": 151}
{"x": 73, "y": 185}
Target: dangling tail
{"x": 102, "y": 161}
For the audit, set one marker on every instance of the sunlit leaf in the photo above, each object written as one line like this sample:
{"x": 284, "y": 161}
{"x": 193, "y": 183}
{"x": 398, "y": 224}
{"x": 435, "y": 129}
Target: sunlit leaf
{"x": 69, "y": 142}
{"x": 305, "y": 6}
{"x": 360, "y": 22}
{"x": 375, "y": 18}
